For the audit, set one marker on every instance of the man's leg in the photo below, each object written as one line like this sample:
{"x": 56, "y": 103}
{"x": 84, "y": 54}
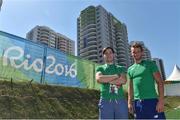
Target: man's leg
{"x": 121, "y": 109}
{"x": 150, "y": 109}
{"x": 138, "y": 109}
{"x": 106, "y": 109}
{"x": 161, "y": 115}
{"x": 154, "y": 113}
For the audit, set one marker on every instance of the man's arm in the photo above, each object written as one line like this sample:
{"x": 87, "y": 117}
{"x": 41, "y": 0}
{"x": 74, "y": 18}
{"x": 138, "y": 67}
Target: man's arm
{"x": 160, "y": 84}
{"x": 105, "y": 78}
{"x": 130, "y": 96}
{"x": 120, "y": 80}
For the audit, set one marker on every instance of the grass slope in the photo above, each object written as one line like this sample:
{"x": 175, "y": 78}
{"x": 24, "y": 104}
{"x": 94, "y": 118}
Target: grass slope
{"x": 172, "y": 107}
{"x": 26, "y": 100}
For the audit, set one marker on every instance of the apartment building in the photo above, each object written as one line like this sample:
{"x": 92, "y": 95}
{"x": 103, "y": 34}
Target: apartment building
{"x": 160, "y": 64}
{"x": 47, "y": 36}
{"x": 98, "y": 28}
{"x": 1, "y": 2}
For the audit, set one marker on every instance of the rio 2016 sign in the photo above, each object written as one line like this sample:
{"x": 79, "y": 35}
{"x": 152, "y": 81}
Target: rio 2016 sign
{"x": 37, "y": 64}
{"x": 22, "y": 59}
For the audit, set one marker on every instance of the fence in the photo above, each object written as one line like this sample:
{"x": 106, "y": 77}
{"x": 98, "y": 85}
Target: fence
{"x": 24, "y": 60}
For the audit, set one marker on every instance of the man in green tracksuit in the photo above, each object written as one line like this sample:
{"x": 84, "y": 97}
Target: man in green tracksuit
{"x": 142, "y": 76}
{"x": 112, "y": 104}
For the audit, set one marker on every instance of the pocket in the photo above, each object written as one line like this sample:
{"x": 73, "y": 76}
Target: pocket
{"x": 103, "y": 104}
{"x": 100, "y": 104}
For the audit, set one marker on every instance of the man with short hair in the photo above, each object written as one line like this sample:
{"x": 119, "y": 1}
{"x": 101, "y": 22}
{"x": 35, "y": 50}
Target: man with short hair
{"x": 112, "y": 104}
{"x": 142, "y": 76}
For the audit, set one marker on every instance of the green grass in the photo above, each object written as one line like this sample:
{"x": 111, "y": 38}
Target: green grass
{"x": 23, "y": 100}
{"x": 171, "y": 103}
{"x": 173, "y": 114}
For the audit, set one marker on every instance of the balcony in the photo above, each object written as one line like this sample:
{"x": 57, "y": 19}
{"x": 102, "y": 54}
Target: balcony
{"x": 89, "y": 26}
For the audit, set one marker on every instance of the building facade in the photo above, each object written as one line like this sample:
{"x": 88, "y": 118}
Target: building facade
{"x": 160, "y": 64}
{"x": 1, "y": 2}
{"x": 49, "y": 37}
{"x": 96, "y": 29}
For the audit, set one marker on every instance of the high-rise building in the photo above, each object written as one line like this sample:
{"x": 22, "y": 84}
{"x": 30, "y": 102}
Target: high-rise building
{"x": 96, "y": 29}
{"x": 65, "y": 44}
{"x": 49, "y": 37}
{"x": 1, "y": 1}
{"x": 147, "y": 53}
{"x": 42, "y": 34}
{"x": 159, "y": 63}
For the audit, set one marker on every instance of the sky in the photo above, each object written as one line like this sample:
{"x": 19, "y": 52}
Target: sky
{"x": 155, "y": 22}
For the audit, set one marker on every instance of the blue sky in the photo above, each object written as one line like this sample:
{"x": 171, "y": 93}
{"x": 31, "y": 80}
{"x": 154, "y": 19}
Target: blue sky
{"x": 156, "y": 22}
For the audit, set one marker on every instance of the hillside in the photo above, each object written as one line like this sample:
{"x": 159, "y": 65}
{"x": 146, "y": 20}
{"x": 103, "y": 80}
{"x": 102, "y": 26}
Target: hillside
{"x": 27, "y": 100}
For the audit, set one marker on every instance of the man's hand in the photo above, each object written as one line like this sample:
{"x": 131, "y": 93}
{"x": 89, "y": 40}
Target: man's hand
{"x": 116, "y": 82}
{"x": 160, "y": 106}
{"x": 130, "y": 107}
{"x": 119, "y": 81}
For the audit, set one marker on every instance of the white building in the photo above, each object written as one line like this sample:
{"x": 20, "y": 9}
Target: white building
{"x": 96, "y": 29}
{"x": 49, "y": 37}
